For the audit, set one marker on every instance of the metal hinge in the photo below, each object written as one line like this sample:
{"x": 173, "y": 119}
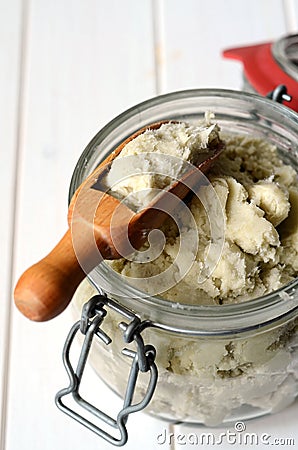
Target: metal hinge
{"x": 143, "y": 360}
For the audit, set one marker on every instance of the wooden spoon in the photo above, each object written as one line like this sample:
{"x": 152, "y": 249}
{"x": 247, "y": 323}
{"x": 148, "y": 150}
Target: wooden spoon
{"x": 100, "y": 227}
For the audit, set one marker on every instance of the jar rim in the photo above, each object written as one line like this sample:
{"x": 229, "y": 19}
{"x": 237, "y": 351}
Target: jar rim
{"x": 251, "y": 97}
{"x": 251, "y": 314}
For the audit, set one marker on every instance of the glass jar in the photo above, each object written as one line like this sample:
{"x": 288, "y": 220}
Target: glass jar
{"x": 215, "y": 364}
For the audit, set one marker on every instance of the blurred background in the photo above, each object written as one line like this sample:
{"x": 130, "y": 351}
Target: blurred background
{"x": 67, "y": 68}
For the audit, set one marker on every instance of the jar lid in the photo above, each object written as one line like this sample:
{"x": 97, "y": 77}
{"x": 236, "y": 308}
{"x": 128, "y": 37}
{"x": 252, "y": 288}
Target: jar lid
{"x": 270, "y": 64}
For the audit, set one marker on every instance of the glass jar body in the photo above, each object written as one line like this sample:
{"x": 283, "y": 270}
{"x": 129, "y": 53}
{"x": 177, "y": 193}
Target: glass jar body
{"x": 215, "y": 364}
{"x": 204, "y": 379}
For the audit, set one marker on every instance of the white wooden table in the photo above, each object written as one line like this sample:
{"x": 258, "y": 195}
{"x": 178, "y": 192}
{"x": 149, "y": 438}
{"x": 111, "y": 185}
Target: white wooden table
{"x": 67, "y": 68}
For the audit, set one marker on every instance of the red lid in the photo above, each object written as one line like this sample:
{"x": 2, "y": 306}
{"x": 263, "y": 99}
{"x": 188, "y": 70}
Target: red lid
{"x": 262, "y": 71}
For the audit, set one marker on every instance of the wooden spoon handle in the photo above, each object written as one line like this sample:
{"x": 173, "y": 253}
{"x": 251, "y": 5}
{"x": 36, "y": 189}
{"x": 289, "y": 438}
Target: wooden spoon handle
{"x": 46, "y": 288}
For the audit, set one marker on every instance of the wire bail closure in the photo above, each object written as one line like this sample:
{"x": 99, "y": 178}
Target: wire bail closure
{"x": 279, "y": 94}
{"x": 143, "y": 360}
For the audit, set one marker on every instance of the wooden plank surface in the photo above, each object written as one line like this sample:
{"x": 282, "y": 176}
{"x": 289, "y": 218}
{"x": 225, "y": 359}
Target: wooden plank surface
{"x": 10, "y": 63}
{"x": 195, "y": 36}
{"x": 84, "y": 63}
{"x": 290, "y": 8}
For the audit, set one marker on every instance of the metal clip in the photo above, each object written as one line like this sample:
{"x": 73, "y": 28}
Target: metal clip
{"x": 279, "y": 94}
{"x": 142, "y": 360}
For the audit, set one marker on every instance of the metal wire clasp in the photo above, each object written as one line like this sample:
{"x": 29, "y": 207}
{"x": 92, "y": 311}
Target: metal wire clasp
{"x": 279, "y": 94}
{"x": 143, "y": 358}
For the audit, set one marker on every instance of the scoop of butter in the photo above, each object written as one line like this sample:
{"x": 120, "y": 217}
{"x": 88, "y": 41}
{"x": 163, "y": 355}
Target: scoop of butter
{"x": 155, "y": 158}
